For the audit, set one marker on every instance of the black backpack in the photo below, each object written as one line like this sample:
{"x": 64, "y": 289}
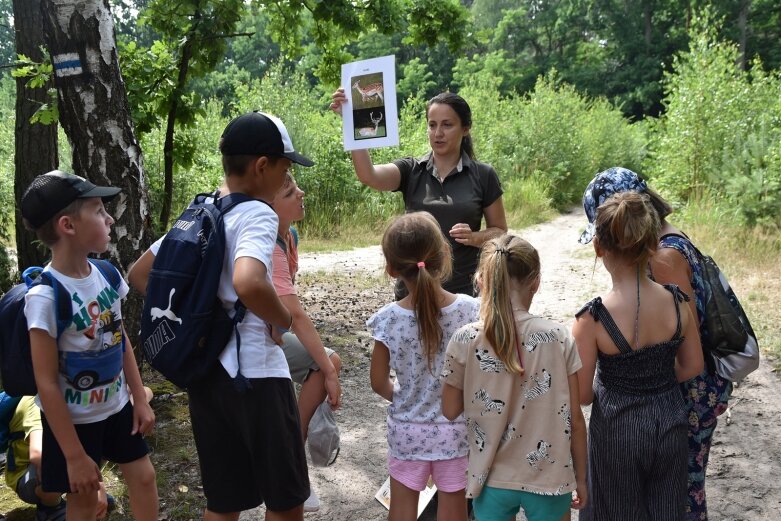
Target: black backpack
{"x": 184, "y": 326}
{"x": 729, "y": 343}
{"x": 16, "y": 366}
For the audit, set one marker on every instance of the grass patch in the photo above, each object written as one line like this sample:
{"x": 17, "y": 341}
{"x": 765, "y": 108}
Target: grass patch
{"x": 526, "y": 202}
{"x": 749, "y": 259}
{"x": 347, "y": 238}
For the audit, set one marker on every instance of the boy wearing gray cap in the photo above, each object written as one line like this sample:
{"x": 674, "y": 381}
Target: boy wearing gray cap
{"x": 84, "y": 373}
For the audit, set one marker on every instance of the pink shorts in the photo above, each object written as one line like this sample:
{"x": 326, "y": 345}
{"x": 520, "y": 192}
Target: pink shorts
{"x": 449, "y": 475}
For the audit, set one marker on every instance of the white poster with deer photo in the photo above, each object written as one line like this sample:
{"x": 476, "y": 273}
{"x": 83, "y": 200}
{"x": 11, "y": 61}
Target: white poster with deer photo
{"x": 370, "y": 116}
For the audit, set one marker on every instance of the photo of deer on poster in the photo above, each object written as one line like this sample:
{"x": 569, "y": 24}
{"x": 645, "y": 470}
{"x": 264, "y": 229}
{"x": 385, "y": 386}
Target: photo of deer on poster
{"x": 370, "y": 118}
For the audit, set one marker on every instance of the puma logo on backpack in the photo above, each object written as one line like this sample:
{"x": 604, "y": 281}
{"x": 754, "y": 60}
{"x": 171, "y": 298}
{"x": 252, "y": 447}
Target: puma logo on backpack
{"x": 158, "y": 313}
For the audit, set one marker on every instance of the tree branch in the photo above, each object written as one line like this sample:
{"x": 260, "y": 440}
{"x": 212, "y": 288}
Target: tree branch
{"x": 221, "y": 36}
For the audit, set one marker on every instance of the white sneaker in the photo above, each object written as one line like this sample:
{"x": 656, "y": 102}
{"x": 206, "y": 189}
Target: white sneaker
{"x": 312, "y": 503}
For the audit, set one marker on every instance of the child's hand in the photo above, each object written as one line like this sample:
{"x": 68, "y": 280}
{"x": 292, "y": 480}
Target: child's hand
{"x": 580, "y": 498}
{"x": 276, "y": 334}
{"x": 102, "y": 507}
{"x": 83, "y": 474}
{"x": 334, "y": 390}
{"x": 338, "y": 99}
{"x": 143, "y": 419}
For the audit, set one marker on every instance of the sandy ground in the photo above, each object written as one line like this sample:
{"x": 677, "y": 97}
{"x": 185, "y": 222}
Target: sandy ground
{"x": 343, "y": 289}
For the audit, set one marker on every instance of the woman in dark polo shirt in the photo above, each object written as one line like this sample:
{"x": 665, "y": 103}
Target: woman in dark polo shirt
{"x": 447, "y": 182}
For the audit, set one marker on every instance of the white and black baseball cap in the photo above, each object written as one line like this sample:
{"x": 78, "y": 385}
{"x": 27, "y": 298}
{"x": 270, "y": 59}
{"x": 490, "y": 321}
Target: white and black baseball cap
{"x": 259, "y": 134}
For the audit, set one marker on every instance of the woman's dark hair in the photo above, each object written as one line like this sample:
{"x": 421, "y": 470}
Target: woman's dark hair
{"x": 662, "y": 207}
{"x": 461, "y": 108}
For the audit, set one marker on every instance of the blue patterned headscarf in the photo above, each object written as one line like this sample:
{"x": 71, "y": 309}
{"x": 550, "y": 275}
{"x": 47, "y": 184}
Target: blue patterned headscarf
{"x": 611, "y": 181}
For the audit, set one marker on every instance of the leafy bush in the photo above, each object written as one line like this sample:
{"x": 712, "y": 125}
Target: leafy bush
{"x": 721, "y": 135}
{"x": 555, "y": 135}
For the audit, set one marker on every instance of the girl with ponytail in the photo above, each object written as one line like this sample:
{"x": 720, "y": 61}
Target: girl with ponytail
{"x": 514, "y": 376}
{"x": 641, "y": 342}
{"x": 410, "y": 336}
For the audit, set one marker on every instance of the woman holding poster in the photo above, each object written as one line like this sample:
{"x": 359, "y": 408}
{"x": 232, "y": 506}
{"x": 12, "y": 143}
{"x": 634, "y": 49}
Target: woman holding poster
{"x": 447, "y": 182}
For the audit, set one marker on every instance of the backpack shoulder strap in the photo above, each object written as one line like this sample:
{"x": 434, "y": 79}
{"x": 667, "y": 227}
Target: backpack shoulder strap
{"x": 294, "y": 233}
{"x": 62, "y": 300}
{"x": 227, "y": 203}
{"x": 282, "y": 244}
{"x": 109, "y": 272}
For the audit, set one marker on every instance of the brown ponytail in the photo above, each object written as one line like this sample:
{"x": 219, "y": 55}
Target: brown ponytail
{"x": 627, "y": 224}
{"x": 416, "y": 250}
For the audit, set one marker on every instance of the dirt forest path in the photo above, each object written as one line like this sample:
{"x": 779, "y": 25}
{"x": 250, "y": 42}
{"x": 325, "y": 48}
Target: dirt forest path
{"x": 341, "y": 290}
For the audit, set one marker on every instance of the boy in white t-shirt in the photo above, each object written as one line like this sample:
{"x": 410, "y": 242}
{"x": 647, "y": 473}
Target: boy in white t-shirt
{"x": 85, "y": 419}
{"x": 260, "y": 425}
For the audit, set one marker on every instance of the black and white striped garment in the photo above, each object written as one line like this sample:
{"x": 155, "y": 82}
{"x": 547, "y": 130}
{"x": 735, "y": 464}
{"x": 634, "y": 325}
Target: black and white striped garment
{"x": 638, "y": 449}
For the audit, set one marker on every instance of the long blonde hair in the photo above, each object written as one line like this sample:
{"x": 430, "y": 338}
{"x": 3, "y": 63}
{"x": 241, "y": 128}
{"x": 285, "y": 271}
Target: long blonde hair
{"x": 502, "y": 260}
{"x": 416, "y": 250}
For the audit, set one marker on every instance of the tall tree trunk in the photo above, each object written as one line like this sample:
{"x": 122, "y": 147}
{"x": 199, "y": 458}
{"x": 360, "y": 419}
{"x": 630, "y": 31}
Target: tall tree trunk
{"x": 648, "y": 25}
{"x": 168, "y": 146}
{"x": 35, "y": 147}
{"x": 745, "y": 6}
{"x": 96, "y": 117}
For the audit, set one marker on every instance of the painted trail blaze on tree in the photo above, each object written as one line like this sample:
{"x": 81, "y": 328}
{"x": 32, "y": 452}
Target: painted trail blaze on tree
{"x": 95, "y": 115}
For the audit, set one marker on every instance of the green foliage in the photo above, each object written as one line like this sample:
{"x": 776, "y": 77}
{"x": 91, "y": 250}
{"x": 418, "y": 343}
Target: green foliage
{"x": 330, "y": 26}
{"x": 7, "y": 117}
{"x": 721, "y": 135}
{"x": 39, "y": 74}
{"x": 416, "y": 80}
{"x": 151, "y": 78}
{"x": 334, "y": 198}
{"x": 199, "y": 144}
{"x": 554, "y": 136}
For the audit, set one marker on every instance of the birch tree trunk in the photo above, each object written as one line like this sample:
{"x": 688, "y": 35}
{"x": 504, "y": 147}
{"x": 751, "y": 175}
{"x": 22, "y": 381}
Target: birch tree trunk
{"x": 35, "y": 145}
{"x": 95, "y": 115}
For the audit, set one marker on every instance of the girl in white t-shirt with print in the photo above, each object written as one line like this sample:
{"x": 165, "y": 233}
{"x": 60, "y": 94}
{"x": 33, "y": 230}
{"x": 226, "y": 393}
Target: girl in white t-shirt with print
{"x": 513, "y": 375}
{"x": 410, "y": 338}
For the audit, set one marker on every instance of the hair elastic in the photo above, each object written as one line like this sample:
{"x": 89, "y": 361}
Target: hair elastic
{"x": 421, "y": 264}
{"x": 502, "y": 250}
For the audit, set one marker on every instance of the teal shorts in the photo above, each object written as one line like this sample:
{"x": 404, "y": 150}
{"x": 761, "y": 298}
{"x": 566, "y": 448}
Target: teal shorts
{"x": 501, "y": 504}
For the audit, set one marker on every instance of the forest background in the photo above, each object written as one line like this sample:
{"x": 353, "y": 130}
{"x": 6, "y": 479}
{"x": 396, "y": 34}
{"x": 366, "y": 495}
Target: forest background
{"x": 686, "y": 93}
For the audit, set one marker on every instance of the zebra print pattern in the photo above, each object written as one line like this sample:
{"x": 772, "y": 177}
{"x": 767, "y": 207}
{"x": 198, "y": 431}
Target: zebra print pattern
{"x": 535, "y": 457}
{"x": 539, "y": 337}
{"x": 542, "y": 386}
{"x": 489, "y": 404}
{"x": 509, "y": 433}
{"x": 488, "y": 363}
{"x": 566, "y": 415}
{"x": 465, "y": 335}
{"x": 479, "y": 435}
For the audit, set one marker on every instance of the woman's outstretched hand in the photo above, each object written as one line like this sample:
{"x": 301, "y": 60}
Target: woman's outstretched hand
{"x": 338, "y": 99}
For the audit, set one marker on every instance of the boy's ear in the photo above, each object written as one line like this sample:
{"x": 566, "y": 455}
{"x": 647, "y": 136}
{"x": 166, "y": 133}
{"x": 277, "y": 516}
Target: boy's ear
{"x": 65, "y": 225}
{"x": 260, "y": 165}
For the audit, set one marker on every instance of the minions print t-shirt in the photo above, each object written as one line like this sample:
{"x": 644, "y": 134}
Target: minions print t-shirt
{"x": 90, "y": 350}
